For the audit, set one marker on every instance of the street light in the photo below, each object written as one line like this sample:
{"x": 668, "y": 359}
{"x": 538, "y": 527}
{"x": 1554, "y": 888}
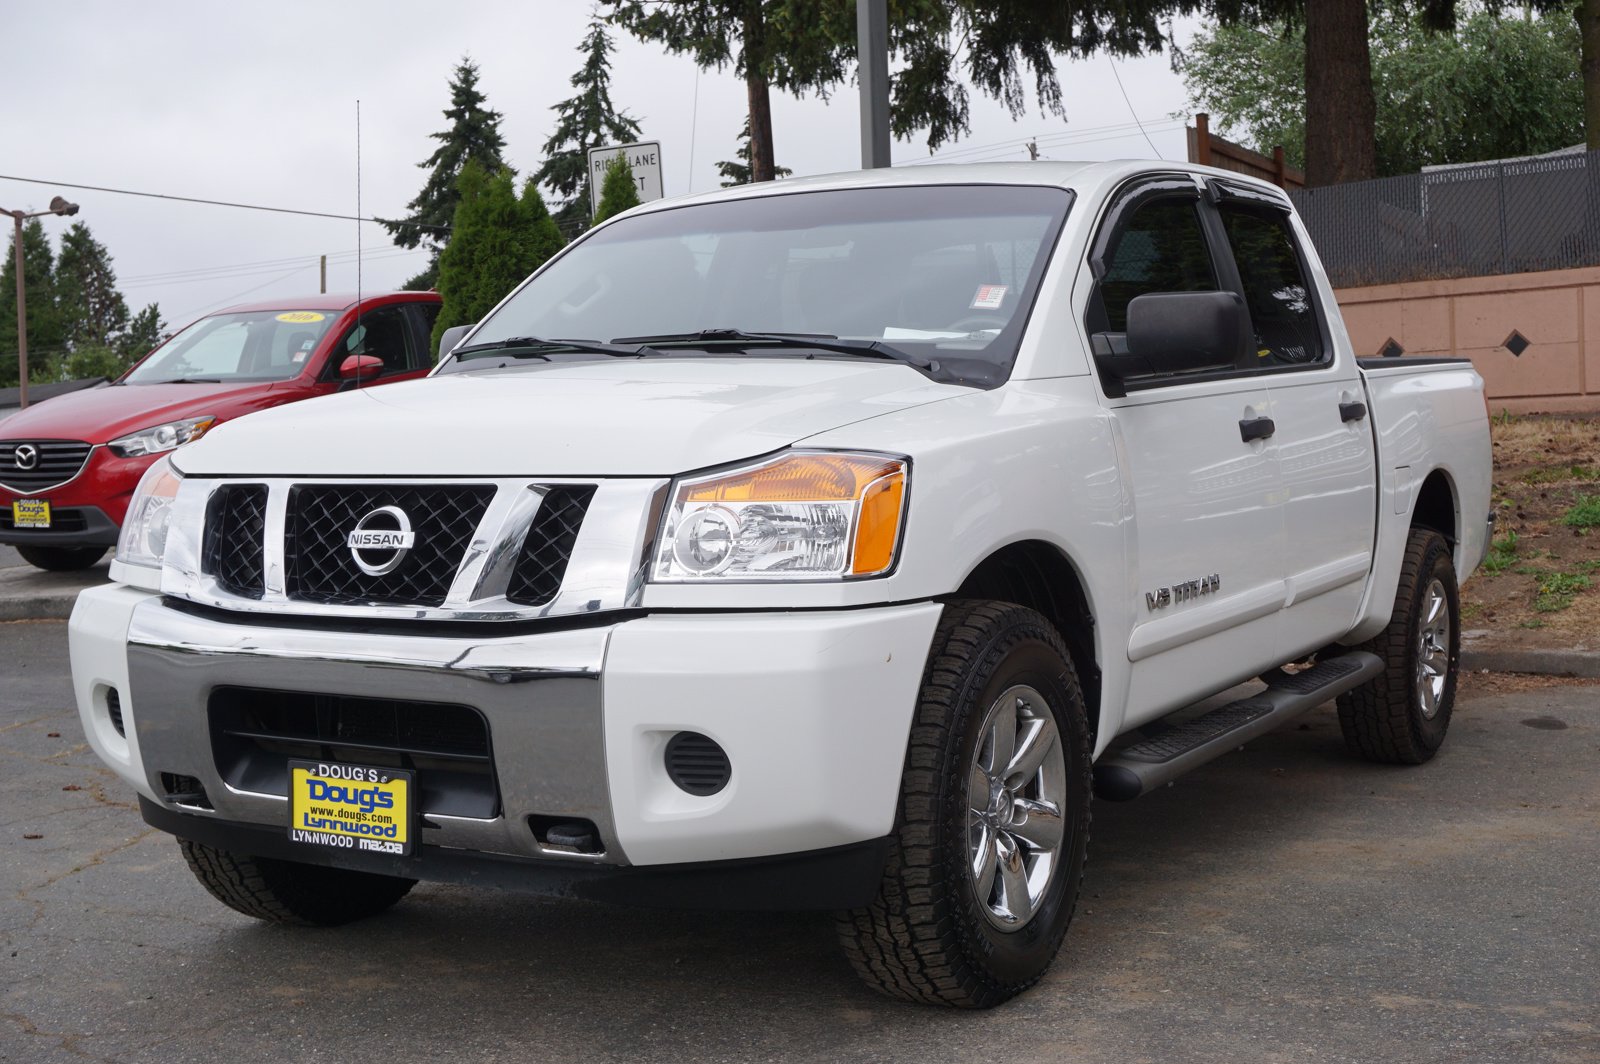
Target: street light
{"x": 60, "y": 206}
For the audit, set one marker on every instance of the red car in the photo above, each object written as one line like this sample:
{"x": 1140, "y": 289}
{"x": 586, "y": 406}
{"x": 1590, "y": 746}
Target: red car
{"x": 68, "y": 466}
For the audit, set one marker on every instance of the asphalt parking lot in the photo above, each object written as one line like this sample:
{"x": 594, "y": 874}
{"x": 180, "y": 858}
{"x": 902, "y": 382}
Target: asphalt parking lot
{"x": 1283, "y": 904}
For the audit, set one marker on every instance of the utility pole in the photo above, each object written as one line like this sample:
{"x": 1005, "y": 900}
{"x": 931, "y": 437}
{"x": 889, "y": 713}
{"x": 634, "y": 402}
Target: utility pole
{"x": 57, "y": 206}
{"x": 324, "y": 275}
{"x": 872, "y": 46}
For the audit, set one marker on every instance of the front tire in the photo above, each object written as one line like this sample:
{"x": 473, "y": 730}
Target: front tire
{"x": 1401, "y": 715}
{"x": 61, "y": 559}
{"x": 992, "y": 829}
{"x": 287, "y": 892}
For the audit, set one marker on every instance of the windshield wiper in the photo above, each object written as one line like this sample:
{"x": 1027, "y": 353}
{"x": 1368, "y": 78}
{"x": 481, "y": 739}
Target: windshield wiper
{"x": 815, "y": 341}
{"x": 194, "y": 380}
{"x": 530, "y": 347}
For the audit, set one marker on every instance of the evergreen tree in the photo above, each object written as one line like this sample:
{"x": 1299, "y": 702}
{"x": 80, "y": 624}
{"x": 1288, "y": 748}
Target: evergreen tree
{"x": 585, "y": 120}
{"x": 619, "y": 191}
{"x": 736, "y": 171}
{"x": 1453, "y": 97}
{"x": 143, "y": 333}
{"x": 496, "y": 240}
{"x": 92, "y": 311}
{"x": 543, "y": 234}
{"x": 473, "y": 136}
{"x": 806, "y": 46}
{"x": 46, "y": 340}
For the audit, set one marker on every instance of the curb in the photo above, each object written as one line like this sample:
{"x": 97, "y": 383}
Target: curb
{"x": 1581, "y": 663}
{"x": 55, "y": 606}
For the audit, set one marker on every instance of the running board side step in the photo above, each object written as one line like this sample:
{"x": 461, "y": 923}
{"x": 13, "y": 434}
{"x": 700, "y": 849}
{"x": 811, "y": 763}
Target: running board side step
{"x": 1139, "y": 769}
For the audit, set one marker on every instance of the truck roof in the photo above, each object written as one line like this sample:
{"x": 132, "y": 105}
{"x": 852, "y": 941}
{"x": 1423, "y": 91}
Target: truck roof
{"x": 1085, "y": 178}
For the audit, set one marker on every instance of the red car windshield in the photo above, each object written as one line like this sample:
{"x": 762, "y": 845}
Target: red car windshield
{"x": 265, "y": 345}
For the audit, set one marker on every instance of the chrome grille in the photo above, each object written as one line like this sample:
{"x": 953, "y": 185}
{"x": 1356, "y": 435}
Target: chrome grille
{"x": 318, "y": 563}
{"x": 234, "y": 550}
{"x": 57, "y": 462}
{"x": 548, "y": 547}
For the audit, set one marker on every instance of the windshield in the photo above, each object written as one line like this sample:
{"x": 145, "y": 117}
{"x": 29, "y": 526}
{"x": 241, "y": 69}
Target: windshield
{"x": 264, "y": 345}
{"x": 935, "y": 271}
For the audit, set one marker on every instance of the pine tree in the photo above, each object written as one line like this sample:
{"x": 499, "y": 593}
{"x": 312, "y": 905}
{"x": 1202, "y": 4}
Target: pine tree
{"x": 586, "y": 120}
{"x": 809, "y": 46}
{"x": 473, "y": 136}
{"x": 543, "y": 234}
{"x": 619, "y": 191}
{"x": 46, "y": 340}
{"x": 92, "y": 311}
{"x": 143, "y": 333}
{"x": 496, "y": 240}
{"x": 736, "y": 171}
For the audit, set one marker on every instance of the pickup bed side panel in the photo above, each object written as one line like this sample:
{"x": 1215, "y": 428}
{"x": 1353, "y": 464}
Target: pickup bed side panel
{"x": 1426, "y": 418}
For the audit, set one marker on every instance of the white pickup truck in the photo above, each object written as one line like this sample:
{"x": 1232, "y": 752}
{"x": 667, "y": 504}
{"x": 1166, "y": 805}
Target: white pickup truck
{"x": 819, "y": 544}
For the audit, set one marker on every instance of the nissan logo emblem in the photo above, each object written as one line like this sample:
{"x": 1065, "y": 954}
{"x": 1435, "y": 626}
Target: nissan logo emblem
{"x": 385, "y": 533}
{"x": 26, "y": 456}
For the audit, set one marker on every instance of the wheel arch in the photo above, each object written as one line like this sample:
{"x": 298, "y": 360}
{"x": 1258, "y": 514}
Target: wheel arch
{"x": 1040, "y": 576}
{"x": 1437, "y": 508}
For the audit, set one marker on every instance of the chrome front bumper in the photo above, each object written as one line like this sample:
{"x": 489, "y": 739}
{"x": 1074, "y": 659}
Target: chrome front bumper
{"x": 541, "y": 698}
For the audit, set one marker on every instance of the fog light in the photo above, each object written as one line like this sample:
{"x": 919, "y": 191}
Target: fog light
{"x": 697, "y": 764}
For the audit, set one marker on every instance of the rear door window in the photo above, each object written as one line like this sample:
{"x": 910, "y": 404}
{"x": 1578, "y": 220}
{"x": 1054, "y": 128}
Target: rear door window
{"x": 1282, "y": 309}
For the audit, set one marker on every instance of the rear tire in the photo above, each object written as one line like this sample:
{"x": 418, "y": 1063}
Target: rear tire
{"x": 287, "y": 892}
{"x": 61, "y": 559}
{"x": 1401, "y": 715}
{"x": 992, "y": 828}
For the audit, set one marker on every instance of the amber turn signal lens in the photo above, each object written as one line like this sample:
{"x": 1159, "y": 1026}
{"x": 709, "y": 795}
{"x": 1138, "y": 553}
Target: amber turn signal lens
{"x": 878, "y": 527}
{"x": 798, "y": 478}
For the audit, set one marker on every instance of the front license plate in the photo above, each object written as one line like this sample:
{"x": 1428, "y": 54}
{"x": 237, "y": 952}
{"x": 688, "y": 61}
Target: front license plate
{"x": 350, "y": 807}
{"x": 30, "y": 513}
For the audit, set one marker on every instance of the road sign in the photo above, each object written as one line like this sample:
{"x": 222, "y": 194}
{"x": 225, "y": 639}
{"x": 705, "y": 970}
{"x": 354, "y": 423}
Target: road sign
{"x": 644, "y": 159}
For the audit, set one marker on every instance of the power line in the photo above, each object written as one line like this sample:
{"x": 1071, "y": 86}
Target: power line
{"x": 1131, "y": 111}
{"x": 191, "y": 315}
{"x": 231, "y": 274}
{"x": 221, "y": 203}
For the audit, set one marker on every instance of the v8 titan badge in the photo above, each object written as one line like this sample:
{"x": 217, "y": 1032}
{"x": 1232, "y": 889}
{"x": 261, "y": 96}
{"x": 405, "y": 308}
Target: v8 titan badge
{"x": 351, "y": 807}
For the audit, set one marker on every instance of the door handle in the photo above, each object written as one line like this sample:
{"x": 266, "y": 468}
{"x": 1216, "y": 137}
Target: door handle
{"x": 1256, "y": 428}
{"x": 1352, "y": 411}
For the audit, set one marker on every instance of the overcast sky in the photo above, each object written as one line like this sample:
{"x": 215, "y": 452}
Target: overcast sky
{"x": 257, "y": 104}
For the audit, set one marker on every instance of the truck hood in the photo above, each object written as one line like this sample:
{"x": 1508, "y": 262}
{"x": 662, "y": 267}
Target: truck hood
{"x": 654, "y": 417}
{"x": 100, "y": 415}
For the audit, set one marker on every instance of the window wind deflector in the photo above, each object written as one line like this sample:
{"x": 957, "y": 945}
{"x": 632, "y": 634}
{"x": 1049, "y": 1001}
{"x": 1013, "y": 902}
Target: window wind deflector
{"x": 815, "y": 341}
{"x": 1222, "y": 190}
{"x": 536, "y": 346}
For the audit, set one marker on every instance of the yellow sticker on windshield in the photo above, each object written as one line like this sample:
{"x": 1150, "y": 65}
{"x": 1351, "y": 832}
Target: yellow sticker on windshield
{"x": 300, "y": 317}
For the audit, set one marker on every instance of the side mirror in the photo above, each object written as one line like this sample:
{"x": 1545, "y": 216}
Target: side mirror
{"x": 452, "y": 337}
{"x": 1177, "y": 332}
{"x": 360, "y": 368}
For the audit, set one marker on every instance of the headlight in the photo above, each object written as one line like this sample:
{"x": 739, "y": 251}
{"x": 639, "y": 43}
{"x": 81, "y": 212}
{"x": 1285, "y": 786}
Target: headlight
{"x": 144, "y": 531}
{"x": 805, "y": 515}
{"x": 161, "y": 437}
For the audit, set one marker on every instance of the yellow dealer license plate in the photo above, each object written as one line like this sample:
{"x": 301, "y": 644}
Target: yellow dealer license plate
{"x": 350, "y": 807}
{"x": 30, "y": 513}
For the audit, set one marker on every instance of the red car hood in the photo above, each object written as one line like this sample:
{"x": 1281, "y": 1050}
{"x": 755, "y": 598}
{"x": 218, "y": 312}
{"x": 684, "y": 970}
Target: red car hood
{"x": 100, "y": 415}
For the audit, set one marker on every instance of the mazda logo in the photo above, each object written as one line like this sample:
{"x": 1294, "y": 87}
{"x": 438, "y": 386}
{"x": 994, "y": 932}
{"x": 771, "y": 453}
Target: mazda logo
{"x": 381, "y": 540}
{"x": 26, "y": 456}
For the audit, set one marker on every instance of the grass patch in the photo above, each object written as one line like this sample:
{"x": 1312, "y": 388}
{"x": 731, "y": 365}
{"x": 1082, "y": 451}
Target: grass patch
{"x": 1535, "y": 623}
{"x": 1502, "y": 553}
{"x": 1589, "y": 566}
{"x": 1585, "y": 513}
{"x": 1557, "y": 590}
{"x": 1556, "y": 474}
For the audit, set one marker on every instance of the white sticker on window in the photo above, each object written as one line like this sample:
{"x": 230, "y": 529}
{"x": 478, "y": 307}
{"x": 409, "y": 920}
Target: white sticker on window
{"x": 989, "y": 297}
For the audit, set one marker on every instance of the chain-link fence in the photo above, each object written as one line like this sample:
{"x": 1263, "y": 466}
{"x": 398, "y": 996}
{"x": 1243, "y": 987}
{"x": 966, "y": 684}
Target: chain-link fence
{"x": 1516, "y": 216}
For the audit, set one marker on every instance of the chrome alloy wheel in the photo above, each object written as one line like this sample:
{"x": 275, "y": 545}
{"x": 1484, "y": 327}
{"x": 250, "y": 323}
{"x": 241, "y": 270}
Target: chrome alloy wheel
{"x": 1433, "y": 649}
{"x": 1016, "y": 789}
